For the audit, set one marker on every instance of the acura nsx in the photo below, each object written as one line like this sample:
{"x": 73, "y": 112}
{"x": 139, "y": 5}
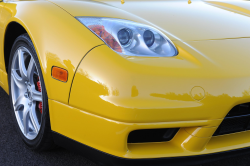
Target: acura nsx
{"x": 128, "y": 81}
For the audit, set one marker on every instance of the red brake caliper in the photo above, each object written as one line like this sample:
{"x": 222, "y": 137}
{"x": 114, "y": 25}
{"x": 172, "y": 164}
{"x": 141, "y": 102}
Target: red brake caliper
{"x": 40, "y": 105}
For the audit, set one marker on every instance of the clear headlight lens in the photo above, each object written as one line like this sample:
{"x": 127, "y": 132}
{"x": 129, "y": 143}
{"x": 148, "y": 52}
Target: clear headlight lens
{"x": 130, "y": 38}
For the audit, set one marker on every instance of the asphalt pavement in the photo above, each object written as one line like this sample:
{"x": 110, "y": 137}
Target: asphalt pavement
{"x": 13, "y": 151}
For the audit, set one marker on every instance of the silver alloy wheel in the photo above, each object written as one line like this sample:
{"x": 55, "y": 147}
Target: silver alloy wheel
{"x": 25, "y": 94}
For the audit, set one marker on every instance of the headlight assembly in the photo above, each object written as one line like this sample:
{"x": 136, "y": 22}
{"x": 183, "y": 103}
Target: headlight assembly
{"x": 130, "y": 38}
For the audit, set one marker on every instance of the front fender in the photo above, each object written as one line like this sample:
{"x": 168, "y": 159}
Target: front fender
{"x": 59, "y": 39}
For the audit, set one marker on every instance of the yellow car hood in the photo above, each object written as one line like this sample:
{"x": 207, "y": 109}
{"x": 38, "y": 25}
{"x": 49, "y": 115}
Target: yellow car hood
{"x": 180, "y": 19}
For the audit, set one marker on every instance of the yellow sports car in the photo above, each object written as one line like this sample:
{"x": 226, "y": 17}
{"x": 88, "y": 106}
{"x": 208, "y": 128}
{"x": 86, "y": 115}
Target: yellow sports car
{"x": 144, "y": 82}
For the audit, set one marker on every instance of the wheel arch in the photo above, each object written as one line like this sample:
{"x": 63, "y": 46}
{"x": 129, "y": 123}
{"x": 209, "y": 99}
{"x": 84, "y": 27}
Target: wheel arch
{"x": 13, "y": 30}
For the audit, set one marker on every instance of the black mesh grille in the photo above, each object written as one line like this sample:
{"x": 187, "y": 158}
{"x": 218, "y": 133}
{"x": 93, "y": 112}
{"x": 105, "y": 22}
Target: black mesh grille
{"x": 239, "y": 110}
{"x": 238, "y": 119}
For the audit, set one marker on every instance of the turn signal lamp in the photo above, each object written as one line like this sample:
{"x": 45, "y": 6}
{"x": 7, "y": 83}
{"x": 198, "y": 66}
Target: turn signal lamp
{"x": 60, "y": 74}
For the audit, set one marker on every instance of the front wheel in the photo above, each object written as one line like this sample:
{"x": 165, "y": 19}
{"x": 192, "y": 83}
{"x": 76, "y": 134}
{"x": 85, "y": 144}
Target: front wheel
{"x": 28, "y": 97}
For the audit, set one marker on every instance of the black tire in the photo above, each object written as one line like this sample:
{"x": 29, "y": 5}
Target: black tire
{"x": 44, "y": 139}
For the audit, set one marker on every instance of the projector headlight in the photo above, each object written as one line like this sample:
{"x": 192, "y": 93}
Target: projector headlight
{"x": 130, "y": 38}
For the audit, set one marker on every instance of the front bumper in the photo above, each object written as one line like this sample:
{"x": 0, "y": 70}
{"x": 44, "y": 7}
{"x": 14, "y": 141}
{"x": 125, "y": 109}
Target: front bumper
{"x": 110, "y": 136}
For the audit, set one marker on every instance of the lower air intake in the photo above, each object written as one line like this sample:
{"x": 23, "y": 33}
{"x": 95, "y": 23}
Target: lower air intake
{"x": 152, "y": 135}
{"x": 237, "y": 120}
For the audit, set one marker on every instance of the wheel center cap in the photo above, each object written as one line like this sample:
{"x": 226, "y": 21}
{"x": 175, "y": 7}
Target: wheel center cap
{"x": 28, "y": 93}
